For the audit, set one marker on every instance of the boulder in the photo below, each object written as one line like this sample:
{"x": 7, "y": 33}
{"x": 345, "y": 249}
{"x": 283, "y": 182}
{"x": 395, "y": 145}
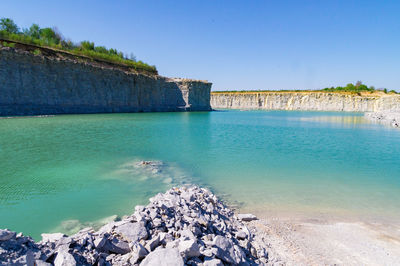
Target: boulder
{"x": 52, "y": 237}
{"x": 64, "y": 258}
{"x": 163, "y": 256}
{"x": 187, "y": 234}
{"x": 247, "y": 217}
{"x": 241, "y": 235}
{"x": 225, "y": 248}
{"x": 6, "y": 234}
{"x": 212, "y": 262}
{"x": 100, "y": 242}
{"x": 189, "y": 248}
{"x": 138, "y": 252}
{"x": 153, "y": 243}
{"x": 132, "y": 231}
{"x": 117, "y": 246}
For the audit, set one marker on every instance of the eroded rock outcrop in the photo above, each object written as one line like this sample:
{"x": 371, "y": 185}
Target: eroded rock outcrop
{"x": 182, "y": 226}
{"x": 42, "y": 84}
{"x": 307, "y": 101}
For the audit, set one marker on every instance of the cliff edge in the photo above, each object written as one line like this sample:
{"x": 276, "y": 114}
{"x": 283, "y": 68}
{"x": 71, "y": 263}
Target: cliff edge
{"x": 307, "y": 101}
{"x": 40, "y": 82}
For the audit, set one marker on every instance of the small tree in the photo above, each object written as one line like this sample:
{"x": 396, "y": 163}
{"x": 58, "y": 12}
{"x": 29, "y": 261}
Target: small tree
{"x": 113, "y": 51}
{"x": 101, "y": 49}
{"x": 49, "y": 36}
{"x": 350, "y": 86}
{"x": 8, "y": 25}
{"x": 86, "y": 45}
{"x": 34, "y": 31}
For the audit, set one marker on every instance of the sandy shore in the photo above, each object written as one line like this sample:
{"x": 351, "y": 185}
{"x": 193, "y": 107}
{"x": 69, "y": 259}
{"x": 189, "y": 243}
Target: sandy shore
{"x": 299, "y": 241}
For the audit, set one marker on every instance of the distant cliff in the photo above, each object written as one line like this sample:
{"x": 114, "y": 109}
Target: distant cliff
{"x": 48, "y": 82}
{"x": 312, "y": 101}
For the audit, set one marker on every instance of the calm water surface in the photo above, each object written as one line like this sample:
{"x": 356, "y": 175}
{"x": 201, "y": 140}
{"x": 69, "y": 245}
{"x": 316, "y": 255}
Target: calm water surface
{"x": 64, "y": 172}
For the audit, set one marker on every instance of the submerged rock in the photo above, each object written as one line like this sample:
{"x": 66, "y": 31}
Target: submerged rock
{"x": 187, "y": 225}
{"x": 154, "y": 167}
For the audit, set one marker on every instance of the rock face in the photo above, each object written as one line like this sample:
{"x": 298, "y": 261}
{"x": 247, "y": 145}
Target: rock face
{"x": 388, "y": 118}
{"x": 182, "y": 226}
{"x": 308, "y": 101}
{"x": 38, "y": 85}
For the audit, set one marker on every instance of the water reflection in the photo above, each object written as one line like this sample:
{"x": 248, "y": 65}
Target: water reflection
{"x": 346, "y": 121}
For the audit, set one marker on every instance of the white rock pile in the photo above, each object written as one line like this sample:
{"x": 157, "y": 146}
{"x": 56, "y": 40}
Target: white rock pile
{"x": 388, "y": 118}
{"x": 184, "y": 226}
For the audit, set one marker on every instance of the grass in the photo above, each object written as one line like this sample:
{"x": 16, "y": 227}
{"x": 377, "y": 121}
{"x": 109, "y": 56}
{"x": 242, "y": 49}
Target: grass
{"x": 357, "y": 88}
{"x": 51, "y": 38}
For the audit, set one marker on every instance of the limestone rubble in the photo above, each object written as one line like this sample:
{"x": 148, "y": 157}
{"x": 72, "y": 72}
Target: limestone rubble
{"x": 182, "y": 226}
{"x": 385, "y": 117}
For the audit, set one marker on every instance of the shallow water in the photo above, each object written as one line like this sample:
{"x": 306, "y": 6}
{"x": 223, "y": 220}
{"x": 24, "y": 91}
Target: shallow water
{"x": 68, "y": 171}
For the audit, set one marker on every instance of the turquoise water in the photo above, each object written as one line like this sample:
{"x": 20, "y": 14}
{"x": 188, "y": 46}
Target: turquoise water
{"x": 63, "y": 172}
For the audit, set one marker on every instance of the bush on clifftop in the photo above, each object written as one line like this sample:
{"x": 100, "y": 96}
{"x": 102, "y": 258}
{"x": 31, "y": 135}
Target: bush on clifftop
{"x": 357, "y": 88}
{"x": 51, "y": 37}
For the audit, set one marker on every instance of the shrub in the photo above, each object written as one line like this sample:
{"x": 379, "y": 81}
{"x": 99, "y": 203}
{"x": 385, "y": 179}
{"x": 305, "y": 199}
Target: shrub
{"x": 8, "y": 44}
{"x": 51, "y": 37}
{"x": 359, "y": 87}
{"x": 8, "y": 25}
{"x": 33, "y": 31}
{"x": 86, "y": 45}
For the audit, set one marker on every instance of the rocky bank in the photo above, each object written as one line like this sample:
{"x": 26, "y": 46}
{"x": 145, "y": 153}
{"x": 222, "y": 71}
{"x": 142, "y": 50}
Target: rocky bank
{"x": 55, "y": 82}
{"x": 385, "y": 117}
{"x": 305, "y": 101}
{"x": 184, "y": 226}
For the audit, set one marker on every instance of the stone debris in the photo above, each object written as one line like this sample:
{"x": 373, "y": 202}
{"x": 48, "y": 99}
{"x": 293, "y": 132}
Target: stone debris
{"x": 184, "y": 226}
{"x": 154, "y": 167}
{"x": 143, "y": 170}
{"x": 388, "y": 118}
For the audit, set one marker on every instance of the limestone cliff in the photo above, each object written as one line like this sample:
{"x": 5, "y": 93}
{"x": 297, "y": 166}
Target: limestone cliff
{"x": 32, "y": 84}
{"x": 312, "y": 101}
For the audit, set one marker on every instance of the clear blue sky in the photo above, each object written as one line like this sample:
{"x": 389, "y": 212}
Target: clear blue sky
{"x": 238, "y": 44}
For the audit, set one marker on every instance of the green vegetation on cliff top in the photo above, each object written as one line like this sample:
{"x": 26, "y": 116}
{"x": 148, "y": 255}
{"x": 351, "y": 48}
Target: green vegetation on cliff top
{"x": 357, "y": 88}
{"x": 52, "y": 38}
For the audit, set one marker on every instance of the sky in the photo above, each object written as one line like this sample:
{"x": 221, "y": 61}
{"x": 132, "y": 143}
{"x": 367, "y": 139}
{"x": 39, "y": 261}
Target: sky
{"x": 238, "y": 45}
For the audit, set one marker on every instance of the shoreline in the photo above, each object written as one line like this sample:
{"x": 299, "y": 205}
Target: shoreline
{"x": 330, "y": 238}
{"x": 284, "y": 238}
{"x": 328, "y": 242}
{"x": 187, "y": 225}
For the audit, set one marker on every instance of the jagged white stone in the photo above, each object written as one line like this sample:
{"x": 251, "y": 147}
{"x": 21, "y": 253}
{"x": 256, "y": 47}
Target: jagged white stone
{"x": 182, "y": 225}
{"x": 163, "y": 256}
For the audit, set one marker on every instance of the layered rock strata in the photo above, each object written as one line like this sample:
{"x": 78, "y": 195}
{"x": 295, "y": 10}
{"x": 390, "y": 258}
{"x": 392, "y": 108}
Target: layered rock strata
{"x": 182, "y": 226}
{"x": 307, "y": 101}
{"x": 40, "y": 84}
